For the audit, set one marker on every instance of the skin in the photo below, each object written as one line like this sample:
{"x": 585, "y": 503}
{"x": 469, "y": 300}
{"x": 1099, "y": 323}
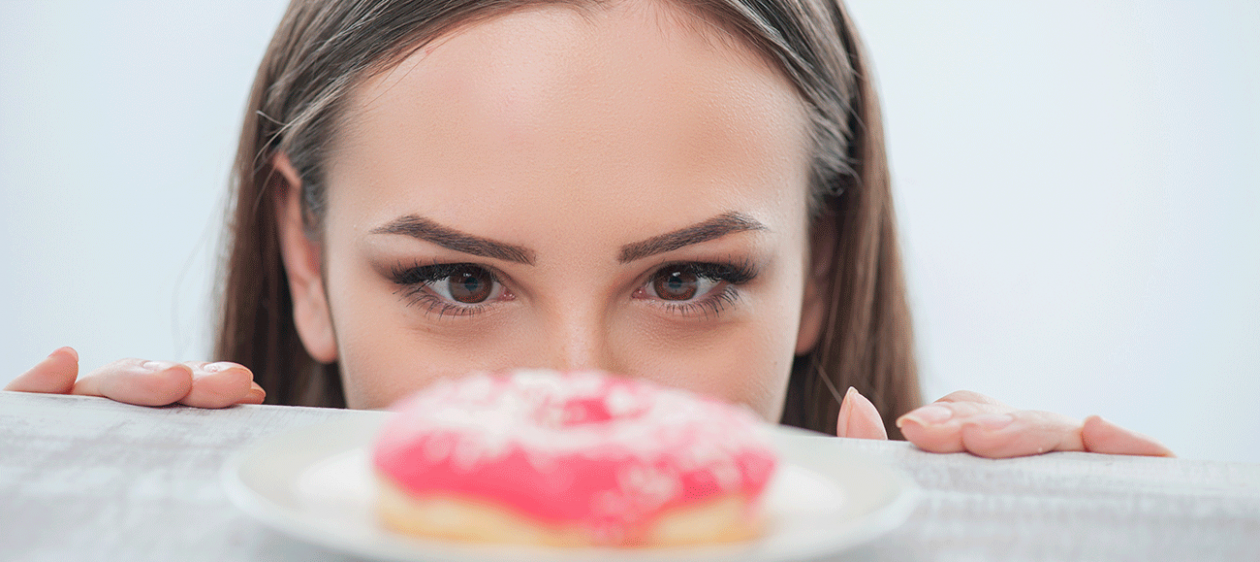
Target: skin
{"x": 566, "y": 142}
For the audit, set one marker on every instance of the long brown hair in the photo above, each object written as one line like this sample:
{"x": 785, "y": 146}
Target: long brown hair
{"x": 323, "y": 48}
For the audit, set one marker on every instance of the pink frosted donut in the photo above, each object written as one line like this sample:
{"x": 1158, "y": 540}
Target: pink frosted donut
{"x": 573, "y": 459}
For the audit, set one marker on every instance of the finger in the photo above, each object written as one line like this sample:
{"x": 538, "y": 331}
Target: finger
{"x": 937, "y": 427}
{"x": 1015, "y": 434}
{"x": 859, "y": 418}
{"x": 1102, "y": 436}
{"x": 219, "y": 385}
{"x": 140, "y": 382}
{"x": 54, "y": 375}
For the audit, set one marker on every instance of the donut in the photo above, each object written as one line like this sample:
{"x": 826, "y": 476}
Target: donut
{"x": 571, "y": 459}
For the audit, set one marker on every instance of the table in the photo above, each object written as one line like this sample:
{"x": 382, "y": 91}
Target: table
{"x": 85, "y": 478}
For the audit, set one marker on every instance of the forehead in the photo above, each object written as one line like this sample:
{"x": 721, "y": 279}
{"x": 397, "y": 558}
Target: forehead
{"x": 626, "y": 105}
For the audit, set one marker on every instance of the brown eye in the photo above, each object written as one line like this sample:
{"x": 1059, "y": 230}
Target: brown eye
{"x": 470, "y": 285}
{"x": 675, "y": 284}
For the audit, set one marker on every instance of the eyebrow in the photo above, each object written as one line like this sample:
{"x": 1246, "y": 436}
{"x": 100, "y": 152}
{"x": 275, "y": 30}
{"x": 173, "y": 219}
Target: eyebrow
{"x": 711, "y": 229}
{"x": 424, "y": 229}
{"x": 446, "y": 237}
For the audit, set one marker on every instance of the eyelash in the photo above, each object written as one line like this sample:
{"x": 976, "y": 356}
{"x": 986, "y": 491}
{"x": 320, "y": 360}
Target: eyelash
{"x": 733, "y": 273}
{"x": 415, "y": 279}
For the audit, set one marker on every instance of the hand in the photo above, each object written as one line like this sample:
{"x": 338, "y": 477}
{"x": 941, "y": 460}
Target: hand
{"x": 972, "y": 422}
{"x": 145, "y": 383}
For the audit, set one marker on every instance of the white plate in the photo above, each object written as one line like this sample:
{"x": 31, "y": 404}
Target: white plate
{"x": 315, "y": 483}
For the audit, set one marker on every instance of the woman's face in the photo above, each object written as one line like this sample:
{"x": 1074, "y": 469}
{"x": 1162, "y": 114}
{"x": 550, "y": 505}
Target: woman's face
{"x": 618, "y": 188}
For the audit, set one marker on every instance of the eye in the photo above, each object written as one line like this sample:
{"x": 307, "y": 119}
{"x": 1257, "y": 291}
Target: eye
{"x": 468, "y": 284}
{"x": 678, "y": 283}
{"x": 458, "y": 289}
{"x": 697, "y": 288}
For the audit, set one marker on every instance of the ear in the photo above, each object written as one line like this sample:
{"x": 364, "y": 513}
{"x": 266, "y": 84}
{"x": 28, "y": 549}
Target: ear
{"x": 814, "y": 305}
{"x": 302, "y": 260}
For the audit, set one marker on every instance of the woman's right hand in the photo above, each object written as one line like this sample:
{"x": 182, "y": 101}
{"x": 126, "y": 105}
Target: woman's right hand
{"x": 144, "y": 383}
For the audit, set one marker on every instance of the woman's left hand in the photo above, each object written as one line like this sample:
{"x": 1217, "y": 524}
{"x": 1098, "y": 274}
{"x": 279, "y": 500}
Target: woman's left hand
{"x": 972, "y": 422}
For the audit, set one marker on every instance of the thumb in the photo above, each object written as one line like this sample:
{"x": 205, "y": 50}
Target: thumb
{"x": 53, "y": 375}
{"x": 859, "y": 418}
{"x": 1101, "y": 436}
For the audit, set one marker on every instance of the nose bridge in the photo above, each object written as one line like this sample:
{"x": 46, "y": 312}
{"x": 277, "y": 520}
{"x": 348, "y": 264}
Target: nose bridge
{"x": 579, "y": 338}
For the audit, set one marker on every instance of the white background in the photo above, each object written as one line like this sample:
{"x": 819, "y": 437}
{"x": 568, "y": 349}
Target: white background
{"x": 1078, "y": 186}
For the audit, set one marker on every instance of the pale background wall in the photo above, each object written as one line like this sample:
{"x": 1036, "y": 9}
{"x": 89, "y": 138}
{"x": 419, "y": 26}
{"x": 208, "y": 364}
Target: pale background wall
{"x": 1078, "y": 186}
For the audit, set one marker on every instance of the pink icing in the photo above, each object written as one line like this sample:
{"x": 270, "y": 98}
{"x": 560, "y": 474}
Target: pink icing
{"x": 581, "y": 448}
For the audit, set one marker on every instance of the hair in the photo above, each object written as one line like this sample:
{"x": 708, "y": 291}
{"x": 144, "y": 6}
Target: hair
{"x": 324, "y": 48}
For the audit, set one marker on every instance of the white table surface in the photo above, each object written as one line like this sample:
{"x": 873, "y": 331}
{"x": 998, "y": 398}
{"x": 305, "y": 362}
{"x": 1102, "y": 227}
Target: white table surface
{"x": 89, "y": 479}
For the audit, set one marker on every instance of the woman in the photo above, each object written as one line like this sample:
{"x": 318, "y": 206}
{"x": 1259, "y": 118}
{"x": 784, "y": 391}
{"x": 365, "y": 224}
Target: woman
{"x": 690, "y": 192}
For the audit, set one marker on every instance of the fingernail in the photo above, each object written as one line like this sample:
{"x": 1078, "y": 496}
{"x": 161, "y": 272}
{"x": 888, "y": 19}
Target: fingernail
{"x": 991, "y": 422}
{"x": 256, "y": 393}
{"x": 927, "y": 415}
{"x": 216, "y": 367}
{"x": 156, "y": 365}
{"x": 66, "y": 349}
{"x": 846, "y": 407}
